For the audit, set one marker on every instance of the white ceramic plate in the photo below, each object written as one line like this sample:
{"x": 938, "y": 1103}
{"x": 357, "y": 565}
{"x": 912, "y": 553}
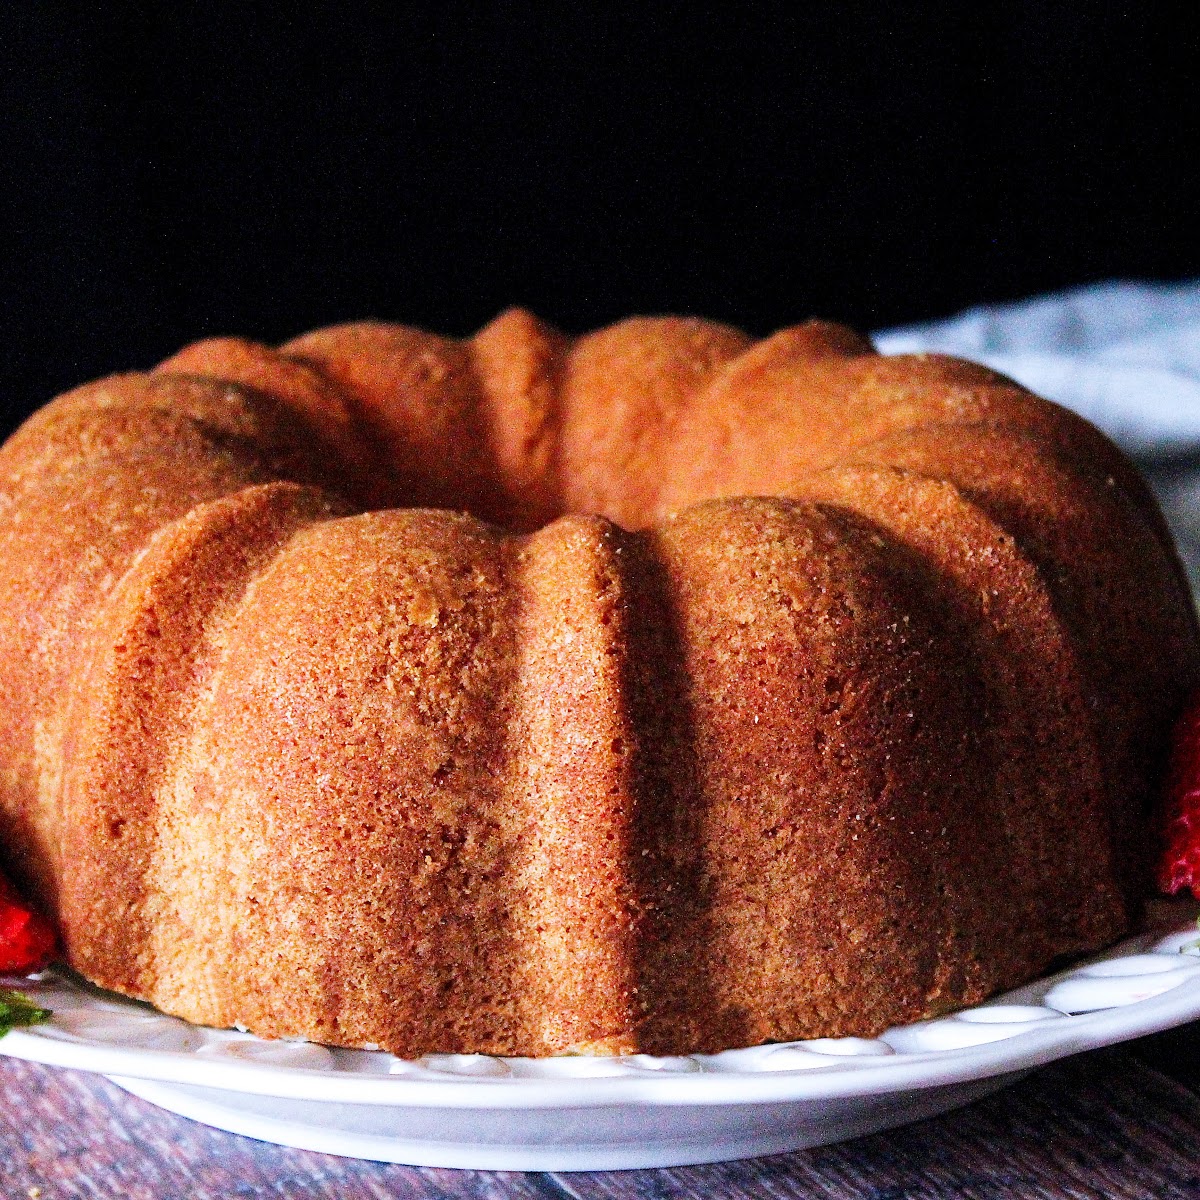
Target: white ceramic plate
{"x": 608, "y": 1113}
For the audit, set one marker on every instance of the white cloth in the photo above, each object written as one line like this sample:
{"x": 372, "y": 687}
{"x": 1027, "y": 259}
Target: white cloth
{"x": 1124, "y": 355}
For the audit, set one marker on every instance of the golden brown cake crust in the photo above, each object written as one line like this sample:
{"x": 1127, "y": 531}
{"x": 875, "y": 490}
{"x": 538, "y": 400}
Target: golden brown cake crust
{"x": 655, "y": 690}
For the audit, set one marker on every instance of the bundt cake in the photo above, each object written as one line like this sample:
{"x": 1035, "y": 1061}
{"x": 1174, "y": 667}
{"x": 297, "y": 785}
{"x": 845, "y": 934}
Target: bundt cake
{"x": 655, "y": 690}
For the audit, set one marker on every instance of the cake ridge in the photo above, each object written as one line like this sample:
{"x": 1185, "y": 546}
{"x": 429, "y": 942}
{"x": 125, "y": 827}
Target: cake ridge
{"x": 750, "y": 913}
{"x": 1058, "y": 513}
{"x": 1032, "y": 681}
{"x": 518, "y": 362}
{"x": 573, "y": 751}
{"x": 131, "y": 704}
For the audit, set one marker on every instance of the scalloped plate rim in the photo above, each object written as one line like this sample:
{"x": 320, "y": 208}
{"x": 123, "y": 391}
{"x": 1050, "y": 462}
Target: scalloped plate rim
{"x": 844, "y": 1076}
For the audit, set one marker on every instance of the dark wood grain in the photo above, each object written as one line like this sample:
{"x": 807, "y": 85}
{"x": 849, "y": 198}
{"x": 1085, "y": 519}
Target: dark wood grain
{"x": 1119, "y": 1124}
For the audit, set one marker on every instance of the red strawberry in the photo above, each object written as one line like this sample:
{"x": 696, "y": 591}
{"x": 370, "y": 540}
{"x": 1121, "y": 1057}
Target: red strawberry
{"x": 27, "y": 940}
{"x": 1179, "y": 864}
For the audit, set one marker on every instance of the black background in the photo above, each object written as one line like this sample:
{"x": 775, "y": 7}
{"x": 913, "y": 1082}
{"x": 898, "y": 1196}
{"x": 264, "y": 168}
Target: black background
{"x": 173, "y": 176}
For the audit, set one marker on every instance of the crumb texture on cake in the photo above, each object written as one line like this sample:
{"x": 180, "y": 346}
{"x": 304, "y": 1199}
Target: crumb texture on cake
{"x": 655, "y": 690}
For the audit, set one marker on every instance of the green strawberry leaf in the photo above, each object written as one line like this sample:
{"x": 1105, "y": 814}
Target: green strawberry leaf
{"x": 1188, "y": 947}
{"x": 16, "y": 1009}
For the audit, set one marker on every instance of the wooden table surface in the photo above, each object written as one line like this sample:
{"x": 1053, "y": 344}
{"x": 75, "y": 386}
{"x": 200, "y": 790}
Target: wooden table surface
{"x": 1123, "y": 1122}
